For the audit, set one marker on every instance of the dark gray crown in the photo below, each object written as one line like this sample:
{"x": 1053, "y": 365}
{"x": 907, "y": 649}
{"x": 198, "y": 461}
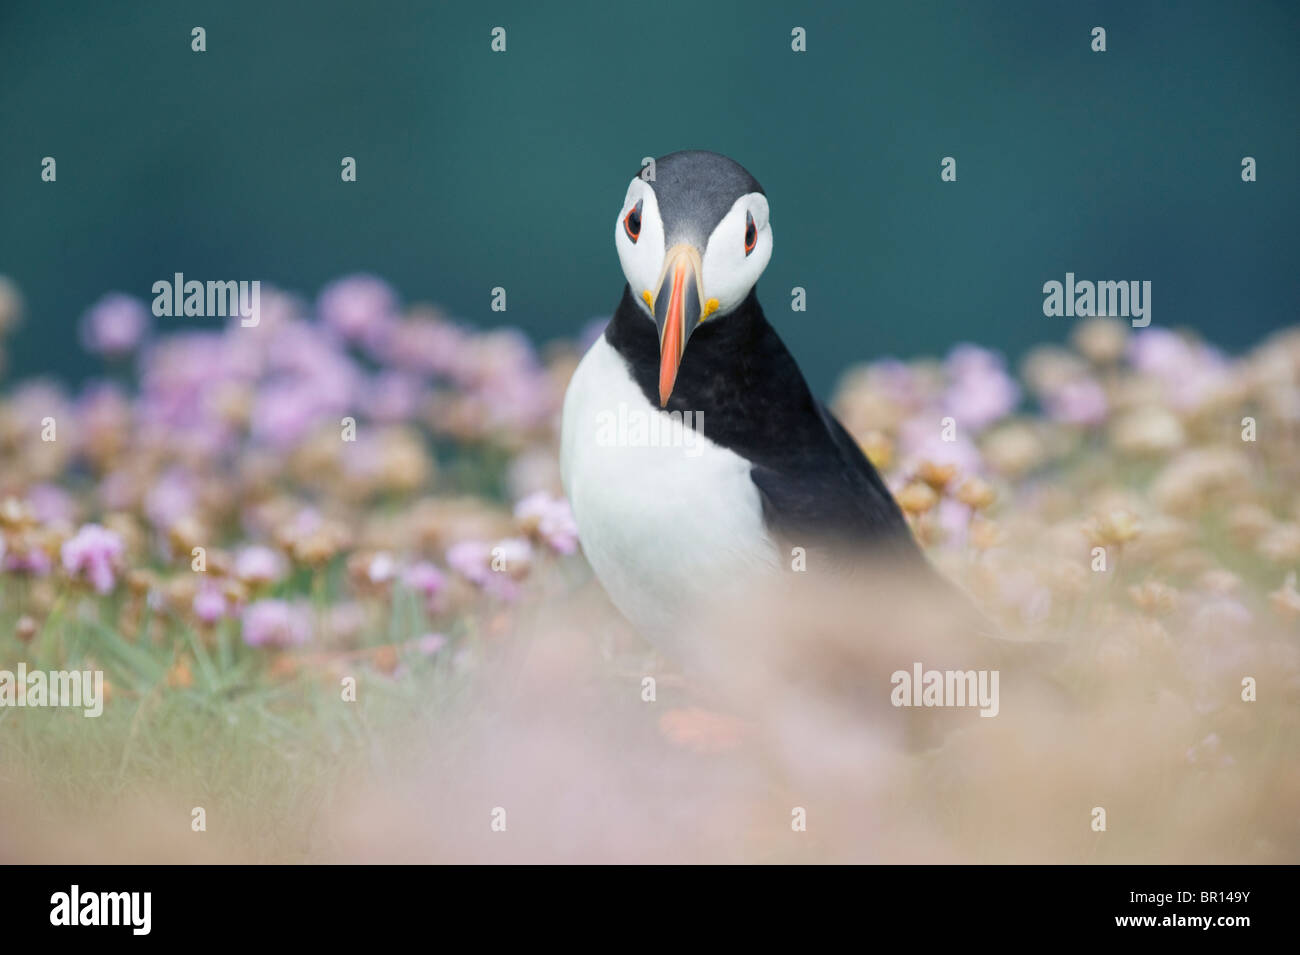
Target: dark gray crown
{"x": 695, "y": 189}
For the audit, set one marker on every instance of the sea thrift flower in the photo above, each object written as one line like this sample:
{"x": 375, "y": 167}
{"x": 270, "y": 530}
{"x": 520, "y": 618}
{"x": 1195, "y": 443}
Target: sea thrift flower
{"x": 981, "y": 392}
{"x": 426, "y": 344}
{"x": 276, "y": 623}
{"x": 471, "y": 559}
{"x": 512, "y": 557}
{"x": 381, "y": 568}
{"x": 550, "y": 519}
{"x": 1080, "y": 402}
{"x": 392, "y": 397}
{"x": 171, "y": 497}
{"x": 28, "y": 558}
{"x": 258, "y": 565}
{"x": 94, "y": 554}
{"x": 922, "y": 439}
{"x": 428, "y": 581}
{"x": 359, "y": 307}
{"x": 209, "y": 604}
{"x": 51, "y": 504}
{"x": 430, "y": 643}
{"x": 494, "y": 568}
{"x": 114, "y": 325}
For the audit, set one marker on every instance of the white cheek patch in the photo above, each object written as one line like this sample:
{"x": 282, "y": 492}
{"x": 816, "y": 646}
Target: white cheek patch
{"x": 643, "y": 259}
{"x": 729, "y": 273}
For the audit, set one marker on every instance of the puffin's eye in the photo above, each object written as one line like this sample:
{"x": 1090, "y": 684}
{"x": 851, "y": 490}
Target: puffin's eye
{"x": 632, "y": 221}
{"x": 751, "y": 233}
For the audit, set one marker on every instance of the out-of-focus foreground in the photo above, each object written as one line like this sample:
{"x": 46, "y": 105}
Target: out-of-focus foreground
{"x": 326, "y": 568}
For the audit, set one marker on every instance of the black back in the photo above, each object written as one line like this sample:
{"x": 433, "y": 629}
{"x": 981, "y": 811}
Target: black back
{"x": 816, "y": 485}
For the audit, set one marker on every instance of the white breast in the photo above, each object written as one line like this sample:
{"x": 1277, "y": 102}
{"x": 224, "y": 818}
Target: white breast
{"x": 669, "y": 520}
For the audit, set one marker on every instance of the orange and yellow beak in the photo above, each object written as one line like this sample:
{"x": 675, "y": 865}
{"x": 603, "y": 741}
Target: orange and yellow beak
{"x": 678, "y": 309}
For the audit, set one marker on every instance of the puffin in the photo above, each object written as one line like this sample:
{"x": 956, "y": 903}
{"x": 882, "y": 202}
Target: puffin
{"x": 697, "y": 461}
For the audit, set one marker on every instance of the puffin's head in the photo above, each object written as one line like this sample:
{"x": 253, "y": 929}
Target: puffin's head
{"x": 692, "y": 243}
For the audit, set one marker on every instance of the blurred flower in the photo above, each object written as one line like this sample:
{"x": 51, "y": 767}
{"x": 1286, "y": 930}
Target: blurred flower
{"x": 1286, "y": 599}
{"x": 922, "y": 439}
{"x": 980, "y": 391}
{"x": 1154, "y": 597}
{"x": 95, "y": 554}
{"x": 1014, "y": 449}
{"x": 392, "y": 397}
{"x": 258, "y": 565}
{"x": 209, "y": 604}
{"x": 25, "y": 629}
{"x": 115, "y": 325}
{"x": 1080, "y": 402}
{"x": 550, "y": 520}
{"x": 1148, "y": 430}
{"x": 276, "y": 623}
{"x": 496, "y": 568}
{"x": 361, "y": 308}
{"x": 471, "y": 559}
{"x": 170, "y": 497}
{"x": 23, "y": 554}
{"x": 431, "y": 643}
{"x": 938, "y": 476}
{"x": 976, "y": 494}
{"x": 51, "y": 504}
{"x": 426, "y": 343}
{"x": 1281, "y": 543}
{"x": 1116, "y": 526}
{"x": 1189, "y": 371}
{"x": 428, "y": 581}
{"x": 917, "y": 498}
{"x": 1101, "y": 340}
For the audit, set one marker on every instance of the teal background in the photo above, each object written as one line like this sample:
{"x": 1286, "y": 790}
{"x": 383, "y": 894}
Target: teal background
{"x": 479, "y": 169}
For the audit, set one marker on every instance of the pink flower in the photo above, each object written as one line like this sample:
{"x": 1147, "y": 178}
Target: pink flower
{"x": 209, "y": 603}
{"x": 980, "y": 391}
{"x": 94, "y": 553}
{"x": 551, "y": 519}
{"x": 427, "y": 345}
{"x": 428, "y": 581}
{"x": 471, "y": 559}
{"x": 381, "y": 568}
{"x": 258, "y": 565}
{"x": 922, "y": 439}
{"x": 51, "y": 504}
{"x": 276, "y": 623}
{"x": 1077, "y": 402}
{"x": 392, "y": 396}
{"x": 430, "y": 643}
{"x": 114, "y": 325}
{"x": 32, "y": 561}
{"x": 172, "y": 497}
{"x": 361, "y": 308}
{"x": 494, "y": 568}
{"x": 1190, "y": 372}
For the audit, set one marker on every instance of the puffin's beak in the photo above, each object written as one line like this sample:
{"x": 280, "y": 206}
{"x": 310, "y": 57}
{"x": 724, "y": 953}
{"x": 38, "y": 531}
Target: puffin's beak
{"x": 678, "y": 307}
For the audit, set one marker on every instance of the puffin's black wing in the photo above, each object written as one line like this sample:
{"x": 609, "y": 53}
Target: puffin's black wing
{"x": 829, "y": 493}
{"x": 817, "y": 487}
